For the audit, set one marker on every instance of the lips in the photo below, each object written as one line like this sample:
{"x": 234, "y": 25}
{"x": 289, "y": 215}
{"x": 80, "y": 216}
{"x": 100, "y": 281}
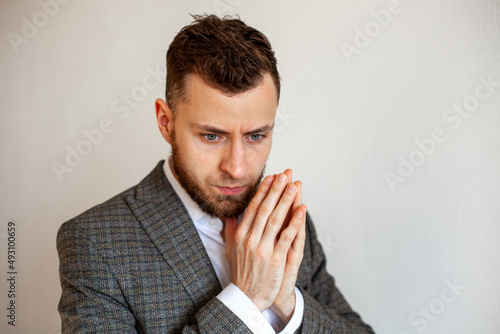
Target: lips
{"x": 231, "y": 190}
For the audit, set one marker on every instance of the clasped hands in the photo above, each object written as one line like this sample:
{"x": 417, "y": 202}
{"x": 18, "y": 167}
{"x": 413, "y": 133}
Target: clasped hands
{"x": 265, "y": 250}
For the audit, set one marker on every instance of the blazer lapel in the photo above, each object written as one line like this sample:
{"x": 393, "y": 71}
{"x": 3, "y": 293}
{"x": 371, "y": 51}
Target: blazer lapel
{"x": 167, "y": 223}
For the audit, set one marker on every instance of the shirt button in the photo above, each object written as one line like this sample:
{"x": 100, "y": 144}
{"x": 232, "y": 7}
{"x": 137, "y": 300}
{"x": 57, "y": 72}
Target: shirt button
{"x": 212, "y": 222}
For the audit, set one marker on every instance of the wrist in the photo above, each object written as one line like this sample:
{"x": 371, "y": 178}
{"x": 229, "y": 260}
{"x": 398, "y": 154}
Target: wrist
{"x": 284, "y": 308}
{"x": 260, "y": 303}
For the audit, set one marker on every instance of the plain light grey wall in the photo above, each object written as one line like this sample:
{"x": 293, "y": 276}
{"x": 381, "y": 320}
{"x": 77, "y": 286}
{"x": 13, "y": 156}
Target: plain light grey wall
{"x": 389, "y": 115}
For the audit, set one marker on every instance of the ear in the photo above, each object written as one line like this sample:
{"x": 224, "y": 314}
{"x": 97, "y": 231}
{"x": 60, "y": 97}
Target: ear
{"x": 165, "y": 119}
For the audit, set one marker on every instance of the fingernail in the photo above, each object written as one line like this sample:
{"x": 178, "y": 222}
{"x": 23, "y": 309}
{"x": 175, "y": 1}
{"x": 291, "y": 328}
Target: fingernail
{"x": 268, "y": 180}
{"x": 300, "y": 214}
{"x": 291, "y": 189}
{"x": 282, "y": 178}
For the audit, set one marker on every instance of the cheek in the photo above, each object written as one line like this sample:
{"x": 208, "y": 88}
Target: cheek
{"x": 258, "y": 158}
{"x": 203, "y": 163}
{"x": 191, "y": 148}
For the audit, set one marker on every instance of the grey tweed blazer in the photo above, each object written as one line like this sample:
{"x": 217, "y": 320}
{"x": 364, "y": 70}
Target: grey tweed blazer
{"x": 135, "y": 264}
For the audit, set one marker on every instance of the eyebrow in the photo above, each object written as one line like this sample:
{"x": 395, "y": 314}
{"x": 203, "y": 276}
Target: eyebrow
{"x": 213, "y": 129}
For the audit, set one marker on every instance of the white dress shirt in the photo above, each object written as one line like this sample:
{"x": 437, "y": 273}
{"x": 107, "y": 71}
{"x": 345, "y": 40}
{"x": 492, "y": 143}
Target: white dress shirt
{"x": 209, "y": 229}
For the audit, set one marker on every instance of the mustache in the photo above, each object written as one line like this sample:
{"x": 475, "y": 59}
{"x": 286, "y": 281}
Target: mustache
{"x": 228, "y": 182}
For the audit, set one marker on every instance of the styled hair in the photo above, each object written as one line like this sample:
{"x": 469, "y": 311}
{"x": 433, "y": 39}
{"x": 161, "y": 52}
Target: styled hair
{"x": 226, "y": 53}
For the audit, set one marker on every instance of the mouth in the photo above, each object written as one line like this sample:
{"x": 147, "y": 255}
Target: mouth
{"x": 231, "y": 190}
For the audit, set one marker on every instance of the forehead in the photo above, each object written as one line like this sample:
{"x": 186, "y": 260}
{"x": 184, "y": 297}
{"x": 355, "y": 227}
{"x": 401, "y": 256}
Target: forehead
{"x": 207, "y": 105}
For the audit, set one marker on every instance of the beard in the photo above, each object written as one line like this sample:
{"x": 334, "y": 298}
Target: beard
{"x": 220, "y": 206}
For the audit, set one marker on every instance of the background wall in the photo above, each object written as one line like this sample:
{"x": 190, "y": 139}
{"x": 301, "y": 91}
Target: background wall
{"x": 389, "y": 115}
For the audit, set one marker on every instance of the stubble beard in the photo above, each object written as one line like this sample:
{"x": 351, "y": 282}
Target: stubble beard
{"x": 220, "y": 206}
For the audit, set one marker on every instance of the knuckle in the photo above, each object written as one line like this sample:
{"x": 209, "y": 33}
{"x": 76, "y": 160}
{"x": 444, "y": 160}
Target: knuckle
{"x": 297, "y": 222}
{"x": 238, "y": 237}
{"x": 249, "y": 242}
{"x": 276, "y": 261}
{"x": 262, "y": 252}
{"x": 286, "y": 237}
{"x": 277, "y": 187}
{"x": 273, "y": 220}
{"x": 252, "y": 207}
{"x": 263, "y": 211}
{"x": 262, "y": 188}
{"x": 289, "y": 197}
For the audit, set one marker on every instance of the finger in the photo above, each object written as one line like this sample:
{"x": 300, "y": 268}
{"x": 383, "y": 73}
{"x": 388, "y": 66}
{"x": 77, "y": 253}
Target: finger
{"x": 276, "y": 222}
{"x": 269, "y": 205}
{"x": 295, "y": 205}
{"x": 296, "y": 251}
{"x": 252, "y": 208}
{"x": 289, "y": 173}
{"x": 298, "y": 198}
{"x": 288, "y": 235}
{"x": 294, "y": 259}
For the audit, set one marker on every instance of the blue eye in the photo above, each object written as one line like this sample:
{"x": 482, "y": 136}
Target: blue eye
{"x": 211, "y": 137}
{"x": 256, "y": 137}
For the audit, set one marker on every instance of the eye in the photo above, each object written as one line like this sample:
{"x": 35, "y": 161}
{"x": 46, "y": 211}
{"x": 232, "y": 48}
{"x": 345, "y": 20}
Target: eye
{"x": 256, "y": 137}
{"x": 211, "y": 137}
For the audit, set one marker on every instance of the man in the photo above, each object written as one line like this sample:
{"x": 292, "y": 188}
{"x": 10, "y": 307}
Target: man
{"x": 200, "y": 245}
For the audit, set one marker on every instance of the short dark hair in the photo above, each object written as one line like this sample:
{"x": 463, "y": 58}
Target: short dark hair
{"x": 226, "y": 53}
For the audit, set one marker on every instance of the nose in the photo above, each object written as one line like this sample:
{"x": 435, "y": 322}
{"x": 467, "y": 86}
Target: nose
{"x": 233, "y": 162}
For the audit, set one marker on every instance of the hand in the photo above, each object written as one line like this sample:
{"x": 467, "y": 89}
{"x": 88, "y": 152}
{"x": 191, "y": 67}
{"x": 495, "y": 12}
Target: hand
{"x": 256, "y": 260}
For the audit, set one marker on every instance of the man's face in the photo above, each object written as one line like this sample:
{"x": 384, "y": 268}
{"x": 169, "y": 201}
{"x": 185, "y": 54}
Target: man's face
{"x": 220, "y": 144}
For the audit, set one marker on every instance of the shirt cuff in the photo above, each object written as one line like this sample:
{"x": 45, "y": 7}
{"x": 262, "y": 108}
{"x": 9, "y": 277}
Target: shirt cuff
{"x": 298, "y": 314}
{"x": 246, "y": 310}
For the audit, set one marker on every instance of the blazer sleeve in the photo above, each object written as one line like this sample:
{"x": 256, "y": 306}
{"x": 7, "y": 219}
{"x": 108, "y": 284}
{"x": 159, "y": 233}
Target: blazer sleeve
{"x": 325, "y": 309}
{"x": 92, "y": 300}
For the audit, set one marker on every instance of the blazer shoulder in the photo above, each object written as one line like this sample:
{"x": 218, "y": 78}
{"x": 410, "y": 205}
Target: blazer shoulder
{"x": 114, "y": 208}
